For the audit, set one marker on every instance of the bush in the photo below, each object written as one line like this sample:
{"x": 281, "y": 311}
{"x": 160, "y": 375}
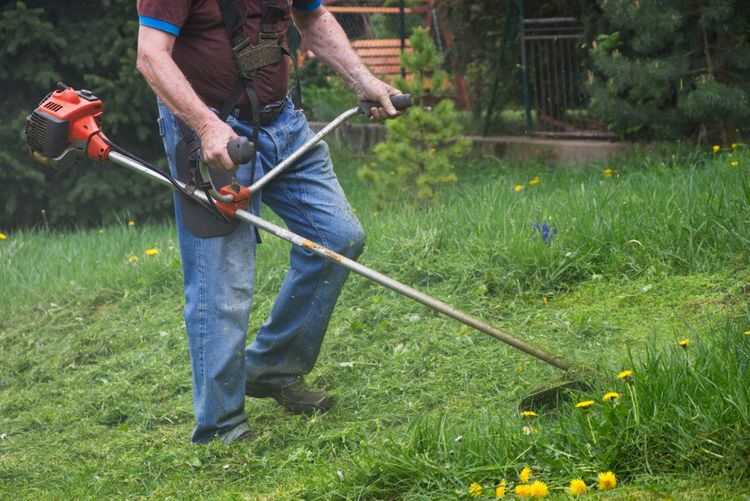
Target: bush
{"x": 421, "y": 147}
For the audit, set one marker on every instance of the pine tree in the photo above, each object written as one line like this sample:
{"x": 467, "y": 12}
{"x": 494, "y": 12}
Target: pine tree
{"x": 421, "y": 147}
{"x": 667, "y": 68}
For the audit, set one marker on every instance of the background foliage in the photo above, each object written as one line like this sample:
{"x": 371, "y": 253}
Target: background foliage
{"x": 87, "y": 45}
{"x": 672, "y": 68}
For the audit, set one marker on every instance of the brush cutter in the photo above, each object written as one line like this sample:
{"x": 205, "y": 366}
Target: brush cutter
{"x": 66, "y": 125}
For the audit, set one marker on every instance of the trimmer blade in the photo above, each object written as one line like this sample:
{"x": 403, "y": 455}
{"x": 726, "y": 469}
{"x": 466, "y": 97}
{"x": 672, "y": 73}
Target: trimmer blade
{"x": 552, "y": 395}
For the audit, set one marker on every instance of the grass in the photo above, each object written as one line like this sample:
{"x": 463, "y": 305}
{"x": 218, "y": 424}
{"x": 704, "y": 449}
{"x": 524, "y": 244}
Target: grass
{"x": 95, "y": 395}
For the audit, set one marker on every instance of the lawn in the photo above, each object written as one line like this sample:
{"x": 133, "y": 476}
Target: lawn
{"x": 95, "y": 393}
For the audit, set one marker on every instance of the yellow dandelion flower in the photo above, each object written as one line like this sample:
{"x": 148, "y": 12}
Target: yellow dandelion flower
{"x": 152, "y": 252}
{"x": 716, "y": 148}
{"x": 538, "y": 489}
{"x": 683, "y": 342}
{"x": 529, "y": 414}
{"x": 475, "y": 489}
{"x": 545, "y": 300}
{"x": 500, "y": 490}
{"x": 734, "y": 146}
{"x": 3, "y": 236}
{"x": 525, "y": 474}
{"x": 534, "y": 181}
{"x": 607, "y": 481}
{"x": 518, "y": 187}
{"x": 585, "y": 404}
{"x": 133, "y": 259}
{"x": 625, "y": 374}
{"x": 577, "y": 487}
{"x": 131, "y": 223}
{"x": 520, "y": 367}
{"x": 523, "y": 490}
{"x": 734, "y": 163}
{"x": 747, "y": 333}
{"x": 610, "y": 396}
{"x": 608, "y": 172}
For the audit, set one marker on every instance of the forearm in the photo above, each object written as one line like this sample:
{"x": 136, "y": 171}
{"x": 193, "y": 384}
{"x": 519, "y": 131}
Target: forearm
{"x": 326, "y": 38}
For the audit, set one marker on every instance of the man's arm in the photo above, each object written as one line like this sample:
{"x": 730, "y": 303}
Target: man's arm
{"x": 327, "y": 39}
{"x": 167, "y": 81}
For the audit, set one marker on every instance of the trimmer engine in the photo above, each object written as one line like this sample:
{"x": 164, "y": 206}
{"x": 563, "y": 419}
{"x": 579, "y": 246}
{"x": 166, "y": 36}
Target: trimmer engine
{"x": 66, "y": 121}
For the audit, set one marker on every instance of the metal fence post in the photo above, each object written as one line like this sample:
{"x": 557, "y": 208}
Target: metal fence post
{"x": 525, "y": 69}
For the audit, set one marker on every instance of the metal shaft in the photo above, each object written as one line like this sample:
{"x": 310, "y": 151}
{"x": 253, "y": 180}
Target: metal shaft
{"x": 303, "y": 149}
{"x": 356, "y": 267}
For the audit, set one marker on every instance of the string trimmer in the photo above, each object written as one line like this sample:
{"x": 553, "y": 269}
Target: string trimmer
{"x": 66, "y": 125}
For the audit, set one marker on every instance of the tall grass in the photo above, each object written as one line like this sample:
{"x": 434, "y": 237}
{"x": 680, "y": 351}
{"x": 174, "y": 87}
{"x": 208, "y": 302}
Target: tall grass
{"x": 684, "y": 410}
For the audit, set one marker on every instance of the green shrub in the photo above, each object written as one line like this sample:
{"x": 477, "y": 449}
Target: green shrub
{"x": 421, "y": 147}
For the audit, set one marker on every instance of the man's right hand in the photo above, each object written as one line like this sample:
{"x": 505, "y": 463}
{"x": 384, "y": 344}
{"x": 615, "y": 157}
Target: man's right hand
{"x": 215, "y": 136}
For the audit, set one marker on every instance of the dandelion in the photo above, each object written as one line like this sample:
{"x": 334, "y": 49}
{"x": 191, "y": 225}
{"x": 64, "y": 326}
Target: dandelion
{"x": 131, "y": 223}
{"x": 528, "y": 430}
{"x": 538, "y": 489}
{"x": 611, "y": 396}
{"x": 716, "y": 148}
{"x": 747, "y": 333}
{"x": 734, "y": 163}
{"x": 625, "y": 374}
{"x": 577, "y": 487}
{"x": 545, "y": 300}
{"x": 525, "y": 474}
{"x": 133, "y": 259}
{"x": 529, "y": 414}
{"x": 734, "y": 146}
{"x": 518, "y": 187}
{"x": 608, "y": 172}
{"x": 520, "y": 367}
{"x": 152, "y": 252}
{"x": 585, "y": 404}
{"x": 3, "y": 236}
{"x": 500, "y": 490}
{"x": 523, "y": 490}
{"x": 475, "y": 489}
{"x": 683, "y": 343}
{"x": 534, "y": 181}
{"x": 606, "y": 481}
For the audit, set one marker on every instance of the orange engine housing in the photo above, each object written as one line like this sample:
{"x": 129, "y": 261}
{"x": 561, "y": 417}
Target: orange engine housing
{"x": 67, "y": 119}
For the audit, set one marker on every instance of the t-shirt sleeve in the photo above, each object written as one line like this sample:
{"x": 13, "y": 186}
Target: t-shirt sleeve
{"x": 164, "y": 15}
{"x": 306, "y": 5}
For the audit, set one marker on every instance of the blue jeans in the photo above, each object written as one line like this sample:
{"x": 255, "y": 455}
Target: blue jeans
{"x": 219, "y": 272}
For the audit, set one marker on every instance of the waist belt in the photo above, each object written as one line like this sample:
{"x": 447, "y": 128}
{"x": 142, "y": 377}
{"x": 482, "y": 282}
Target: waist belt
{"x": 267, "y": 115}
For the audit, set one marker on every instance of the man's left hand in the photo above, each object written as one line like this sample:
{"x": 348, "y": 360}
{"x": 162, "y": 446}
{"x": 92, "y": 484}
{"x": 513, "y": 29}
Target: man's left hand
{"x": 370, "y": 88}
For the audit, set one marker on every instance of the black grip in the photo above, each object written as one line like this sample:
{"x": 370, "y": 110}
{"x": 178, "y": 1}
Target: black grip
{"x": 241, "y": 150}
{"x": 399, "y": 101}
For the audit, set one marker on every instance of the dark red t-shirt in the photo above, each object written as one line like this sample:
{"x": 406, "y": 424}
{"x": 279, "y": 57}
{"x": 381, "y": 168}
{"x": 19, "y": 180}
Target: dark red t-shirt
{"x": 202, "y": 49}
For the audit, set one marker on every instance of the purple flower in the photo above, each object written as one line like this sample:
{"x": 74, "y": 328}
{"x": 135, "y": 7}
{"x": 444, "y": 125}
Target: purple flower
{"x": 548, "y": 232}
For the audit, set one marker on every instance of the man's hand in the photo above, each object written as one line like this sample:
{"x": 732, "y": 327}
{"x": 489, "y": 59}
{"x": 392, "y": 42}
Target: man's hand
{"x": 214, "y": 137}
{"x": 369, "y": 88}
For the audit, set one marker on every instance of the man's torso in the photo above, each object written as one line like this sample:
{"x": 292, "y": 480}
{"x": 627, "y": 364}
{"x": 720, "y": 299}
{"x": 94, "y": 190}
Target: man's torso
{"x": 202, "y": 49}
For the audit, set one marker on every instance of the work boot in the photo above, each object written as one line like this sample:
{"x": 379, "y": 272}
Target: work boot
{"x": 296, "y": 398}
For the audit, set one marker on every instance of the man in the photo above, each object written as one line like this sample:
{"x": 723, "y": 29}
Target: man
{"x": 185, "y": 54}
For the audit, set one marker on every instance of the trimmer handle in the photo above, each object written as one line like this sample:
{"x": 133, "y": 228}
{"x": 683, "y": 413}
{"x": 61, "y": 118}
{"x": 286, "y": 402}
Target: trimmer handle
{"x": 241, "y": 150}
{"x": 400, "y": 102}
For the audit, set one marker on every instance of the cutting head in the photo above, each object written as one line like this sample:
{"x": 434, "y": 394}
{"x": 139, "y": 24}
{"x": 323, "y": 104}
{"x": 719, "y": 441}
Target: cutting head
{"x": 555, "y": 393}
